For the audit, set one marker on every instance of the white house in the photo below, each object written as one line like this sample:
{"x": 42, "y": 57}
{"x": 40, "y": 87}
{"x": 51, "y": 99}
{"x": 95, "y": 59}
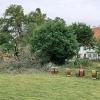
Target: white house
{"x": 89, "y": 53}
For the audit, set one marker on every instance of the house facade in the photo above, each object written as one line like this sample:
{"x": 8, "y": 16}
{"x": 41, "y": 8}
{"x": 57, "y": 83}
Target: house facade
{"x": 90, "y": 53}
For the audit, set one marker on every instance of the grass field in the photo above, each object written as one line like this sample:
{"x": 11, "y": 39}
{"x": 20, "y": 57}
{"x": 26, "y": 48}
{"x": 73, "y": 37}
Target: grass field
{"x": 46, "y": 87}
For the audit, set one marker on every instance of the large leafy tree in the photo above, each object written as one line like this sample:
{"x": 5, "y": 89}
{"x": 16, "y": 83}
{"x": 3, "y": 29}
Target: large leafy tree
{"x": 14, "y": 18}
{"x": 83, "y": 32}
{"x": 33, "y": 21}
{"x": 36, "y": 16}
{"x": 5, "y": 37}
{"x": 54, "y": 42}
{"x": 12, "y": 27}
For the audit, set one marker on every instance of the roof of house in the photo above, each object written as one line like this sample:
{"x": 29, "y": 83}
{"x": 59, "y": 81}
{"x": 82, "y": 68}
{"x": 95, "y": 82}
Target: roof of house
{"x": 96, "y": 31}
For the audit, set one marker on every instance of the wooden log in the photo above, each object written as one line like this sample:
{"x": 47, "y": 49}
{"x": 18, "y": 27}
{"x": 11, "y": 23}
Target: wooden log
{"x": 68, "y": 72}
{"x": 53, "y": 70}
{"x": 94, "y": 74}
{"x": 81, "y": 72}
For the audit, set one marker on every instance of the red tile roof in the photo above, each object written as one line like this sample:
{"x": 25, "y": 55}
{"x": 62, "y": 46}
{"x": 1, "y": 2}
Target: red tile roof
{"x": 96, "y": 31}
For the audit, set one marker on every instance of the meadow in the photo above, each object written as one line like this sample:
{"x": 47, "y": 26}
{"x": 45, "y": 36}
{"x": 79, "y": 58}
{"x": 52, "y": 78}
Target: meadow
{"x": 43, "y": 86}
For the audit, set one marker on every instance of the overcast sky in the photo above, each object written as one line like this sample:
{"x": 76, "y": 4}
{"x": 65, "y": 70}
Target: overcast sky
{"x": 87, "y": 11}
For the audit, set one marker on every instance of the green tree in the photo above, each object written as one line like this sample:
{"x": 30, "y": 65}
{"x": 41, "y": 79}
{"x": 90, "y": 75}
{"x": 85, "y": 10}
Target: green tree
{"x": 98, "y": 46}
{"x": 33, "y": 21}
{"x": 54, "y": 42}
{"x": 14, "y": 18}
{"x": 5, "y": 42}
{"x": 83, "y": 32}
{"x": 5, "y": 36}
{"x": 12, "y": 27}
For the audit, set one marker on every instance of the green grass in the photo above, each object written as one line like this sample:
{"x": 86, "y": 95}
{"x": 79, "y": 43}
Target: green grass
{"x": 45, "y": 87}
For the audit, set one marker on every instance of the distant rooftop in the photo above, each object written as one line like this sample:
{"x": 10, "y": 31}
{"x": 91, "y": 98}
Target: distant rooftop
{"x": 96, "y": 31}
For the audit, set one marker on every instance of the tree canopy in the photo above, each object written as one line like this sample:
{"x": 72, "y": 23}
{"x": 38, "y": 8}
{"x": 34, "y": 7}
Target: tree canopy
{"x": 12, "y": 27}
{"x": 83, "y": 32}
{"x": 51, "y": 40}
{"x": 54, "y": 42}
{"x": 33, "y": 20}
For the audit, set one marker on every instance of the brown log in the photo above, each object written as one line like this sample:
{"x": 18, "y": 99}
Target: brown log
{"x": 94, "y": 74}
{"x": 53, "y": 70}
{"x": 68, "y": 72}
{"x": 81, "y": 72}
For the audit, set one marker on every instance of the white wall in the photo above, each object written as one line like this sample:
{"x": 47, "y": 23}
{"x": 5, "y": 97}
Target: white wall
{"x": 85, "y": 52}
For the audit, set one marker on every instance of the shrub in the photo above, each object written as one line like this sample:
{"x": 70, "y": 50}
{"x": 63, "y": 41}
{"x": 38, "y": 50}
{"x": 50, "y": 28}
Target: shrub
{"x": 82, "y": 62}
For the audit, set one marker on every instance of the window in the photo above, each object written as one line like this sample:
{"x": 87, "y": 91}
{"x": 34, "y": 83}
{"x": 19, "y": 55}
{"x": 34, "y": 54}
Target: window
{"x": 84, "y": 55}
{"x": 84, "y": 48}
{"x": 89, "y": 55}
{"x": 94, "y": 55}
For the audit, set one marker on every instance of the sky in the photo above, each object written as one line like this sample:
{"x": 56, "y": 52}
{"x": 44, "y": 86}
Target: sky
{"x": 86, "y": 11}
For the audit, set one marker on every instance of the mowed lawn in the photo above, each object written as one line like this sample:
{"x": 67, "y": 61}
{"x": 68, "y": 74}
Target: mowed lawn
{"x": 46, "y": 87}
